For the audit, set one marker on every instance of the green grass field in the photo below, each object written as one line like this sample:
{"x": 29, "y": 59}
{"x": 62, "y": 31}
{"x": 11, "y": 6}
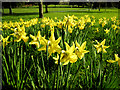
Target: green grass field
{"x": 32, "y": 12}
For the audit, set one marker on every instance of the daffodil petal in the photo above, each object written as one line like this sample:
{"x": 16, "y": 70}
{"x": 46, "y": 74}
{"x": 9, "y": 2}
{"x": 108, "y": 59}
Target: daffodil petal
{"x": 77, "y": 45}
{"x": 83, "y": 45}
{"x": 66, "y": 62}
{"x": 42, "y": 48}
{"x": 111, "y": 61}
{"x": 103, "y": 42}
{"x": 67, "y": 46}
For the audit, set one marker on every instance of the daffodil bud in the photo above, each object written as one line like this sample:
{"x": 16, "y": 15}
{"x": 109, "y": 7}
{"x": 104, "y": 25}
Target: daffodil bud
{"x": 49, "y": 43}
{"x": 63, "y": 51}
{"x": 77, "y": 48}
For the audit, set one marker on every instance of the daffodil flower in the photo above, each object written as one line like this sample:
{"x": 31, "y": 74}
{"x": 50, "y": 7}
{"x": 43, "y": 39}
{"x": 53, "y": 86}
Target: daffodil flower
{"x": 97, "y": 30}
{"x": 5, "y": 40}
{"x": 114, "y": 26}
{"x": 20, "y": 34}
{"x": 104, "y": 23}
{"x": 117, "y": 59}
{"x": 37, "y": 40}
{"x": 67, "y": 56}
{"x": 100, "y": 47}
{"x": 107, "y": 31}
{"x": 81, "y": 27}
{"x": 56, "y": 59}
{"x": 79, "y": 50}
{"x": 52, "y": 44}
{"x": 70, "y": 29}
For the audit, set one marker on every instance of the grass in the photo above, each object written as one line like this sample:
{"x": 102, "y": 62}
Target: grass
{"x": 29, "y": 13}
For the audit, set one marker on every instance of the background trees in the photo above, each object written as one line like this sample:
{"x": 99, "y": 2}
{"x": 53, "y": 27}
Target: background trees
{"x": 90, "y": 5}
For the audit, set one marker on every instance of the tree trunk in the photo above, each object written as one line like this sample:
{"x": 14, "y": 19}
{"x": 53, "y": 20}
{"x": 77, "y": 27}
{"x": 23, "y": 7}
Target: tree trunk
{"x": 99, "y": 6}
{"x": 40, "y": 10}
{"x": 10, "y": 8}
{"x": 46, "y": 6}
{"x": 3, "y": 9}
{"x": 72, "y": 5}
{"x": 119, "y": 11}
{"x": 83, "y": 5}
{"x": 105, "y": 6}
{"x": 89, "y": 6}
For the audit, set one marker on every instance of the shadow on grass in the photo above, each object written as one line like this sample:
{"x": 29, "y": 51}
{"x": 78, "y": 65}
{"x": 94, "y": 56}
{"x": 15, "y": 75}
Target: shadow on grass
{"x": 68, "y": 11}
{"x": 20, "y": 14}
{"x": 85, "y": 11}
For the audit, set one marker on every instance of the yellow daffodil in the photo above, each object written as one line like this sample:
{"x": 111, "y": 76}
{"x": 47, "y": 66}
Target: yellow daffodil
{"x": 93, "y": 17}
{"x": 86, "y": 16}
{"x": 104, "y": 23}
{"x": 36, "y": 40}
{"x": 20, "y": 34}
{"x": 88, "y": 20}
{"x": 56, "y": 18}
{"x": 107, "y": 31}
{"x": 117, "y": 59}
{"x": 81, "y": 27}
{"x": 4, "y": 40}
{"x": 100, "y": 20}
{"x": 92, "y": 23}
{"x": 43, "y": 25}
{"x": 70, "y": 29}
{"x": 52, "y": 44}
{"x": 56, "y": 59}
{"x": 80, "y": 50}
{"x": 114, "y": 26}
{"x": 16, "y": 24}
{"x": 21, "y": 19}
{"x": 97, "y": 30}
{"x": 67, "y": 56}
{"x": 100, "y": 47}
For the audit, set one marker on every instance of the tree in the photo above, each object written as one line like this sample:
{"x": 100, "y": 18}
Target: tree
{"x": 10, "y": 8}
{"x": 99, "y": 5}
{"x": 7, "y": 5}
{"x": 40, "y": 9}
{"x": 11, "y": 5}
{"x": 46, "y": 7}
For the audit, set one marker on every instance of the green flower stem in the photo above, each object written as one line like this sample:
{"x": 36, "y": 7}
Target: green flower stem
{"x": 67, "y": 35}
{"x": 61, "y": 74}
{"x": 91, "y": 71}
{"x": 47, "y": 63}
{"x": 68, "y": 75}
{"x": 63, "y": 36}
{"x": 100, "y": 69}
{"x": 58, "y": 74}
{"x": 24, "y": 59}
{"x": 43, "y": 63}
{"x": 46, "y": 32}
{"x": 21, "y": 47}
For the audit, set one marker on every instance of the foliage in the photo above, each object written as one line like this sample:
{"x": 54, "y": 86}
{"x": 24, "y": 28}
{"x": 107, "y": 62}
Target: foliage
{"x": 61, "y": 53}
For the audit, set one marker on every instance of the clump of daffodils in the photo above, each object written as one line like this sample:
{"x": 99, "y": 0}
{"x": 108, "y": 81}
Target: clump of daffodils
{"x": 71, "y": 54}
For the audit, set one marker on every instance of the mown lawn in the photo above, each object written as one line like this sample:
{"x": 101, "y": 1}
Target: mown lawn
{"x": 32, "y": 12}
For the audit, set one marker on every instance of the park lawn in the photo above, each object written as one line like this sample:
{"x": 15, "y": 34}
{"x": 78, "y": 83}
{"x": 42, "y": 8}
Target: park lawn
{"x": 32, "y": 12}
